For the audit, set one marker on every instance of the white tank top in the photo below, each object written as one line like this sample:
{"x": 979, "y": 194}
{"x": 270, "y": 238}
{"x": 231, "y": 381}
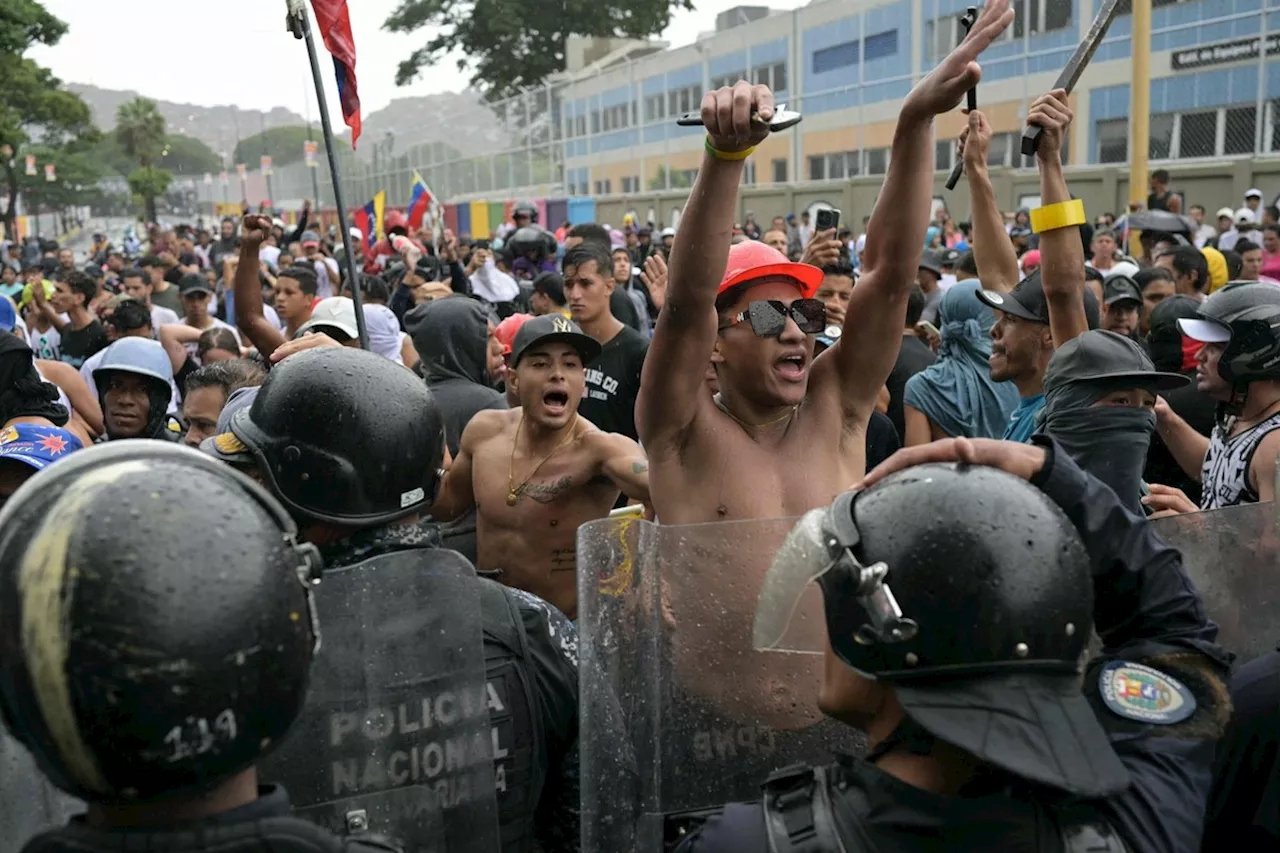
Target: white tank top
{"x": 62, "y": 396}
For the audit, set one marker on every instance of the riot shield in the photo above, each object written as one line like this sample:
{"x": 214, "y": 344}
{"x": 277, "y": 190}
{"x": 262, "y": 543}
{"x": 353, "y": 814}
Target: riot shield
{"x": 679, "y": 713}
{"x": 1233, "y": 555}
{"x": 29, "y": 803}
{"x": 395, "y": 735}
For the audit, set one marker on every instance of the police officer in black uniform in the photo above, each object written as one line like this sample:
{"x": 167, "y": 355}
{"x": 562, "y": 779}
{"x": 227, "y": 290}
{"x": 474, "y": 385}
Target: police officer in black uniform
{"x": 352, "y": 445}
{"x": 959, "y": 604}
{"x": 149, "y": 658}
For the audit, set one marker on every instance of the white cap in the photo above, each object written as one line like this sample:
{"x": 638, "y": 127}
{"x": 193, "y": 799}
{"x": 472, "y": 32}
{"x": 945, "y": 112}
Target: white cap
{"x": 278, "y": 222}
{"x": 1244, "y": 214}
{"x": 1253, "y": 193}
{"x": 668, "y": 232}
{"x": 1122, "y": 268}
{"x": 337, "y": 312}
{"x": 1227, "y": 212}
{"x": 384, "y": 332}
{"x": 355, "y": 232}
{"x": 1205, "y": 331}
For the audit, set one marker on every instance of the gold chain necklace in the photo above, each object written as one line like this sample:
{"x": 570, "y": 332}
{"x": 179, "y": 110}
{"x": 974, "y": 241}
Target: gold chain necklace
{"x": 787, "y": 414}
{"x": 514, "y": 491}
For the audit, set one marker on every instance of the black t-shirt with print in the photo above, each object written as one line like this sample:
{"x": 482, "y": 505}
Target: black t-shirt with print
{"x": 79, "y": 344}
{"x": 613, "y": 382}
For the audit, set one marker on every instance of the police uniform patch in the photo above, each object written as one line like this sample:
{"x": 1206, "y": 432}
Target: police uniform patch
{"x": 227, "y": 443}
{"x": 1147, "y": 695}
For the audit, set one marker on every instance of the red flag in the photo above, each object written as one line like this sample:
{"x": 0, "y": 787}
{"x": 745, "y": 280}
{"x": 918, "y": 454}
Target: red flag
{"x": 335, "y": 26}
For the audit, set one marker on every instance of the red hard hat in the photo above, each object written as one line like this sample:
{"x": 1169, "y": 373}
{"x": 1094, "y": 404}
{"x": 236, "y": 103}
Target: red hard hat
{"x": 751, "y": 260}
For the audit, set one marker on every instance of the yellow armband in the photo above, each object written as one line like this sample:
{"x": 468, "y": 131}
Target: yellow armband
{"x": 1061, "y": 215}
{"x": 728, "y": 155}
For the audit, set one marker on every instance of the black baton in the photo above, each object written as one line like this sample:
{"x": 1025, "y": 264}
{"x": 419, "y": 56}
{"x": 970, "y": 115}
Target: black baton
{"x": 966, "y": 20}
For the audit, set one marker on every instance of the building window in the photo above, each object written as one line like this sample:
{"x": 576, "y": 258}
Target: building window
{"x": 1161, "y": 136}
{"x": 727, "y": 80}
{"x": 774, "y": 76}
{"x": 606, "y": 120}
{"x": 582, "y": 125}
{"x": 817, "y": 167}
{"x": 655, "y": 107}
{"x": 839, "y": 56}
{"x": 595, "y": 121}
{"x": 604, "y": 187}
{"x": 780, "y": 171}
{"x": 749, "y": 173}
{"x": 626, "y": 184}
{"x": 1001, "y": 145}
{"x": 680, "y": 101}
{"x": 877, "y": 161}
{"x": 635, "y": 110}
{"x": 1113, "y": 141}
{"x": 1238, "y": 135}
{"x": 880, "y": 45}
{"x": 943, "y": 150}
{"x": 1199, "y": 135}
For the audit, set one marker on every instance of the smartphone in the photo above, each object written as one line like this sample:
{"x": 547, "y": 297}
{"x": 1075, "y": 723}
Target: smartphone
{"x": 827, "y": 219}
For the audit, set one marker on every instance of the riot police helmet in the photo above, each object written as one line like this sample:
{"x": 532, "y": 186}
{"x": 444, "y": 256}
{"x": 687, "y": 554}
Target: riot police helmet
{"x": 532, "y": 240}
{"x": 525, "y": 208}
{"x": 345, "y": 436}
{"x": 156, "y": 624}
{"x": 970, "y": 592}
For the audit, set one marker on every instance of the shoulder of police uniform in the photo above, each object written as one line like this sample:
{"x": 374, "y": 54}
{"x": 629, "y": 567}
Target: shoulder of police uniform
{"x": 1202, "y": 684}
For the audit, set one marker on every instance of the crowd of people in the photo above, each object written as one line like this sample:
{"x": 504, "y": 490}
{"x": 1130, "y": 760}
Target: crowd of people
{"x": 163, "y": 605}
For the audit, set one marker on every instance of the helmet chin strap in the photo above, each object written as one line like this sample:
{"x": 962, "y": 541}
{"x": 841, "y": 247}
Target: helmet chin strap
{"x": 908, "y": 733}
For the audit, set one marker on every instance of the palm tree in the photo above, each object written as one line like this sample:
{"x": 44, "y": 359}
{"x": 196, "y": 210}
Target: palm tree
{"x": 140, "y": 132}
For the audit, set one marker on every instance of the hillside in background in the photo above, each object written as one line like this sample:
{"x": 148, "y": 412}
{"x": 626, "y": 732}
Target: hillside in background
{"x": 215, "y": 126}
{"x": 459, "y": 119}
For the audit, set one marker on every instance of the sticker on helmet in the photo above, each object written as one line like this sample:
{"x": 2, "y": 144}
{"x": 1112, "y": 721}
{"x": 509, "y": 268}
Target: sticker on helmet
{"x": 1140, "y": 693}
{"x": 411, "y": 497}
{"x": 227, "y": 443}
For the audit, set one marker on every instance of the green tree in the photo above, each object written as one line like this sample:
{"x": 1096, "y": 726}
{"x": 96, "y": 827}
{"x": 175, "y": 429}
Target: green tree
{"x": 284, "y": 145}
{"x": 33, "y": 103}
{"x": 186, "y": 155}
{"x": 512, "y": 45}
{"x": 77, "y": 178}
{"x": 140, "y": 131}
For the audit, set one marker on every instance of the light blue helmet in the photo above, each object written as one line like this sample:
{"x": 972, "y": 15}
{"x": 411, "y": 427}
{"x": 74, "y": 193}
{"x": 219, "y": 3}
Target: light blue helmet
{"x": 136, "y": 355}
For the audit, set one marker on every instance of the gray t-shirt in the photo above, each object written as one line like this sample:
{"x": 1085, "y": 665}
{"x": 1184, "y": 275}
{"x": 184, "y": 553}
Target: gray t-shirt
{"x": 931, "y": 302}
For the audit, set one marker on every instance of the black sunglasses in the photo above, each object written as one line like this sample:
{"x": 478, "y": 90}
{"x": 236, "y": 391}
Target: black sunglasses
{"x": 768, "y": 317}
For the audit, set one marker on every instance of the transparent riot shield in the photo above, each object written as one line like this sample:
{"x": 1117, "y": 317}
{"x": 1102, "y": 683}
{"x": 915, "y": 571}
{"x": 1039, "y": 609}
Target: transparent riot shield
{"x": 395, "y": 736}
{"x": 1233, "y": 555}
{"x": 679, "y": 713}
{"x": 29, "y": 803}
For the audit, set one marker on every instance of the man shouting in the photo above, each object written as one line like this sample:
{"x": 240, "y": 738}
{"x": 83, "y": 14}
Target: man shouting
{"x": 787, "y": 431}
{"x": 537, "y": 472}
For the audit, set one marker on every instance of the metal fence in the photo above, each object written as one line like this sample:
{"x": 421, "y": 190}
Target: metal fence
{"x": 537, "y": 145}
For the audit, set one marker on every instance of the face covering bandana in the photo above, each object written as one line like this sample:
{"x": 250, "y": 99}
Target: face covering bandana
{"x": 1110, "y": 442}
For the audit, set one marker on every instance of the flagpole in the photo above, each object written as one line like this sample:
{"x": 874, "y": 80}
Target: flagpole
{"x": 300, "y": 26}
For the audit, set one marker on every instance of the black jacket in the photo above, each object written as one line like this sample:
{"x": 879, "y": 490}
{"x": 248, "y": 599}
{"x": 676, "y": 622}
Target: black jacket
{"x": 1146, "y": 608}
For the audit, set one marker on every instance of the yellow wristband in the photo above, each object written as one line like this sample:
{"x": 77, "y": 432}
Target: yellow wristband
{"x": 727, "y": 155}
{"x": 1064, "y": 214}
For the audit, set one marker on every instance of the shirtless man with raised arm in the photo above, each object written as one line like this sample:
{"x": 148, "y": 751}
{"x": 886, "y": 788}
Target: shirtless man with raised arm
{"x": 537, "y": 472}
{"x": 786, "y": 432}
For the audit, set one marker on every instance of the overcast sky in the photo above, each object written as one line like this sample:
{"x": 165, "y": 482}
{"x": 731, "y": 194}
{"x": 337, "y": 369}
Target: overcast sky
{"x": 238, "y": 52}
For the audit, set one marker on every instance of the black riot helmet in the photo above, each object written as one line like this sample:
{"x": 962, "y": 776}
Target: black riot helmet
{"x": 533, "y": 242}
{"x": 345, "y": 436}
{"x": 1245, "y": 316}
{"x": 156, "y": 627}
{"x": 525, "y": 208}
{"x": 970, "y": 591}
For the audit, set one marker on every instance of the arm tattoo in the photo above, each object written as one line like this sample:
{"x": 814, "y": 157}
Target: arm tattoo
{"x": 639, "y": 466}
{"x": 545, "y": 493}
